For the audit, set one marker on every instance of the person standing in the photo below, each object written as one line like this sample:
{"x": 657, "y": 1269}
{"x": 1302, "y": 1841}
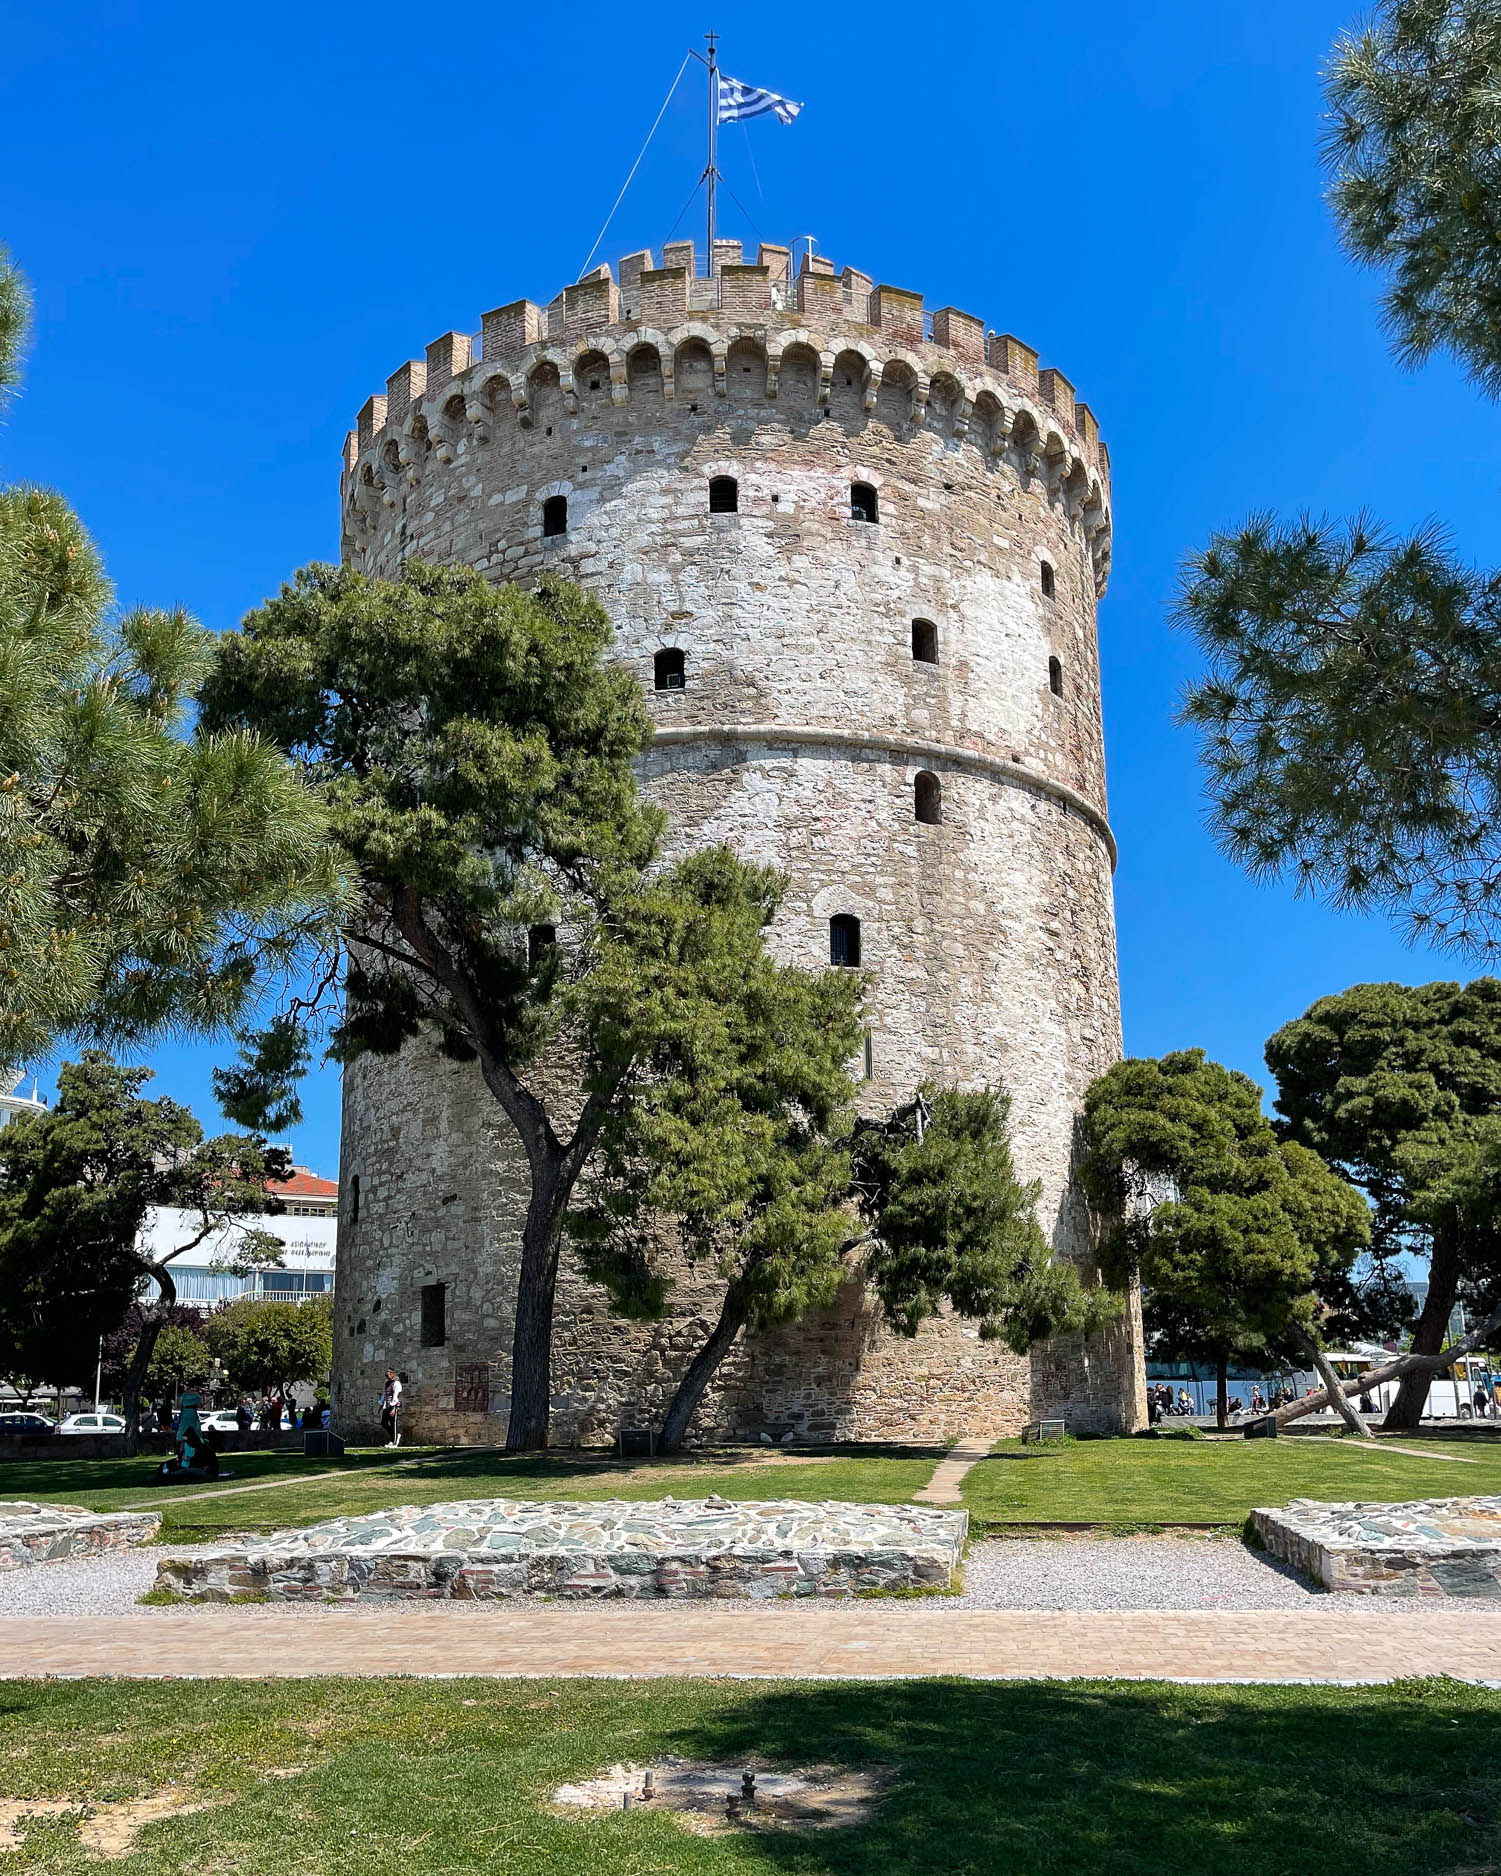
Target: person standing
{"x": 390, "y": 1408}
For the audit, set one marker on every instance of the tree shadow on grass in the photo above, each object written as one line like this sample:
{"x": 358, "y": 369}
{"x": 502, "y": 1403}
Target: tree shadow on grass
{"x": 1095, "y": 1777}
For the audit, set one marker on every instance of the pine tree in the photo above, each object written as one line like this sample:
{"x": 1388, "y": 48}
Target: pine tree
{"x": 1399, "y": 1088}
{"x": 477, "y": 753}
{"x": 148, "y": 872}
{"x": 1229, "y": 1230}
{"x": 1350, "y": 714}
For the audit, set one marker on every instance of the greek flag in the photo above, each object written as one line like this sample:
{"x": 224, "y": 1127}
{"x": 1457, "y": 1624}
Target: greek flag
{"x": 739, "y": 101}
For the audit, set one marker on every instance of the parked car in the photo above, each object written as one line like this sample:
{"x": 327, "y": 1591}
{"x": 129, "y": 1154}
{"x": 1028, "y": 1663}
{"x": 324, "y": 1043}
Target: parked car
{"x": 92, "y": 1423}
{"x": 31, "y": 1423}
{"x": 221, "y": 1420}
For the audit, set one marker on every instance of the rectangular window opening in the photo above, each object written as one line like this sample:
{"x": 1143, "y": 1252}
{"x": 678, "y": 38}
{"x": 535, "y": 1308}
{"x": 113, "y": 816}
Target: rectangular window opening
{"x": 434, "y": 1315}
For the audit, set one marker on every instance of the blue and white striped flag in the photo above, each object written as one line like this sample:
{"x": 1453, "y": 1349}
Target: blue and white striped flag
{"x": 738, "y": 101}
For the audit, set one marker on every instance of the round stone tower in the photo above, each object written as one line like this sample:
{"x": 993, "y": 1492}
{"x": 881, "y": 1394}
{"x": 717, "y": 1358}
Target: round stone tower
{"x": 853, "y": 552}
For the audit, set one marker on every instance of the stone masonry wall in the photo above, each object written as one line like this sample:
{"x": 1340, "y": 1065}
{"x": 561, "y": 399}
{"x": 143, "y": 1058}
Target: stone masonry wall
{"x": 798, "y": 737}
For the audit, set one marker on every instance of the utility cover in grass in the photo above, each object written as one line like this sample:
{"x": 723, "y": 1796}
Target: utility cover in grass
{"x": 750, "y": 1795}
{"x": 485, "y": 1548}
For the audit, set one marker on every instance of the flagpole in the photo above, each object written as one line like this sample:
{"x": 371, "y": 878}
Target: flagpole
{"x": 713, "y": 131}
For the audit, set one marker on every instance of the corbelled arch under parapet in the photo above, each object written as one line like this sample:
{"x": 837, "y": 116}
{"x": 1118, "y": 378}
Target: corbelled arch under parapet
{"x": 1029, "y": 415}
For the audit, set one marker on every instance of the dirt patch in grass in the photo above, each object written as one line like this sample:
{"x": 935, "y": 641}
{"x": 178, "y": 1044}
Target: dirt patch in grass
{"x": 113, "y": 1830}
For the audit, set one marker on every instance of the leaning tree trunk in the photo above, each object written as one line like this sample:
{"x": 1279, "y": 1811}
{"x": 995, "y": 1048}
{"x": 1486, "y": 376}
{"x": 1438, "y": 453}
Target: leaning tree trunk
{"x": 1406, "y": 1411}
{"x": 1330, "y": 1380}
{"x": 140, "y": 1361}
{"x": 701, "y": 1371}
{"x": 1221, "y": 1401}
{"x": 531, "y": 1345}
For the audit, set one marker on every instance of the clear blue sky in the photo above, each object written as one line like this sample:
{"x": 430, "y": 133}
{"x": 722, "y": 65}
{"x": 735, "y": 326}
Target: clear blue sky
{"x": 238, "y": 221}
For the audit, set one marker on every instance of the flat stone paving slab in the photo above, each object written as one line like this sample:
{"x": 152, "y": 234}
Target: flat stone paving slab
{"x": 37, "y": 1533}
{"x": 1428, "y": 1547}
{"x": 488, "y": 1548}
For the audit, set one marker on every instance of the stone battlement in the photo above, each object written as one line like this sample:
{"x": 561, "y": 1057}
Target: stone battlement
{"x": 953, "y": 374}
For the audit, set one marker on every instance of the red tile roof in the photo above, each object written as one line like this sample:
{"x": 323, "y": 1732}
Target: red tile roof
{"x": 304, "y": 1185}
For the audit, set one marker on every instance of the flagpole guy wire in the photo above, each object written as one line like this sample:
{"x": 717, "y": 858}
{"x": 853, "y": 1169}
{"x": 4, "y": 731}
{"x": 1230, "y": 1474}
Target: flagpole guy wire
{"x": 690, "y": 54}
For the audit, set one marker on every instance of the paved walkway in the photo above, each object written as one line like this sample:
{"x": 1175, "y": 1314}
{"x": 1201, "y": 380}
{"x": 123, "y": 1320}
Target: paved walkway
{"x": 876, "y": 1641}
{"x": 948, "y": 1474}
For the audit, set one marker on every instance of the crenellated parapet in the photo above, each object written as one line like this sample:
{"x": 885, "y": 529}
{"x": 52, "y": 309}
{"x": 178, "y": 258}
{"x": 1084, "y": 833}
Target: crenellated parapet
{"x": 839, "y": 344}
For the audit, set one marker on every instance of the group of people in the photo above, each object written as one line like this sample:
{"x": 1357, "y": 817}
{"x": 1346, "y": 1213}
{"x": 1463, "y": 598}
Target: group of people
{"x": 269, "y": 1415}
{"x": 1162, "y": 1402}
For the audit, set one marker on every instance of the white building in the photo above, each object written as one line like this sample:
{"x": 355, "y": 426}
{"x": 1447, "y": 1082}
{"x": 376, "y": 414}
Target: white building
{"x": 307, "y": 1229}
{"x": 13, "y": 1105}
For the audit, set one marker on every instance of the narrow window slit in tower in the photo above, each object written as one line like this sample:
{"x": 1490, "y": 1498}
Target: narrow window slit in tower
{"x": 667, "y": 670}
{"x": 1055, "y": 677}
{"x": 870, "y": 1058}
{"x": 1048, "y": 583}
{"x": 354, "y": 1198}
{"x": 434, "y": 1315}
{"x": 844, "y": 939}
{"x": 927, "y": 798}
{"x": 555, "y": 515}
{"x": 924, "y": 642}
{"x": 863, "y": 505}
{"x": 724, "y": 495}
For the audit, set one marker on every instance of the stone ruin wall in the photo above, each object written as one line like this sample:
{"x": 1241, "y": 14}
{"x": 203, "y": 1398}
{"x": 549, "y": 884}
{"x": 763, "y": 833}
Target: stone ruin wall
{"x": 797, "y": 738}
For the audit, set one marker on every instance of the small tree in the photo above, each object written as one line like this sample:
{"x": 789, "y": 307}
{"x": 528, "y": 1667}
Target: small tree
{"x": 171, "y": 1359}
{"x": 265, "y": 1345}
{"x": 948, "y": 1221}
{"x": 727, "y": 1146}
{"x": 1228, "y": 1229}
{"x": 925, "y": 1206}
{"x": 77, "y": 1185}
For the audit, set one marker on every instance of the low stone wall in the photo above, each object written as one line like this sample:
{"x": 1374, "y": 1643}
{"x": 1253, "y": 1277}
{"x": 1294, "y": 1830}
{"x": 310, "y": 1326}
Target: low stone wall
{"x": 497, "y": 1549}
{"x": 112, "y": 1445}
{"x": 1428, "y": 1547}
{"x": 62, "y": 1446}
{"x": 32, "y": 1533}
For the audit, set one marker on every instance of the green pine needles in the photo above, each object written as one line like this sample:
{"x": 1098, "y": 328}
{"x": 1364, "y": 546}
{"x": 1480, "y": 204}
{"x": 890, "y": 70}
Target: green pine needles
{"x": 150, "y": 872}
{"x": 1414, "y": 145}
{"x": 1350, "y": 712}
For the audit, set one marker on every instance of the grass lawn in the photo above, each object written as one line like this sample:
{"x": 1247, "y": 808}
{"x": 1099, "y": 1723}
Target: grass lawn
{"x": 1109, "y": 1481}
{"x": 453, "y": 1778}
{"x": 1209, "y": 1481}
{"x": 368, "y": 1482}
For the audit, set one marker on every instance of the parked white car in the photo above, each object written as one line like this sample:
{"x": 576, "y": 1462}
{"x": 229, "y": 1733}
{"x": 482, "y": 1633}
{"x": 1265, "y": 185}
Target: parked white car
{"x": 221, "y": 1420}
{"x": 91, "y": 1423}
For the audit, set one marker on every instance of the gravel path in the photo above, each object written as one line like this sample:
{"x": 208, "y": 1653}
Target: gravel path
{"x": 103, "y": 1585}
{"x": 1130, "y": 1573}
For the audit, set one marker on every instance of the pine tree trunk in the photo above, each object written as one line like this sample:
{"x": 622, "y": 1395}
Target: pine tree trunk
{"x": 1406, "y": 1410}
{"x": 701, "y": 1371}
{"x": 531, "y": 1345}
{"x": 140, "y": 1361}
{"x": 1342, "y": 1404}
{"x": 1221, "y": 1400}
